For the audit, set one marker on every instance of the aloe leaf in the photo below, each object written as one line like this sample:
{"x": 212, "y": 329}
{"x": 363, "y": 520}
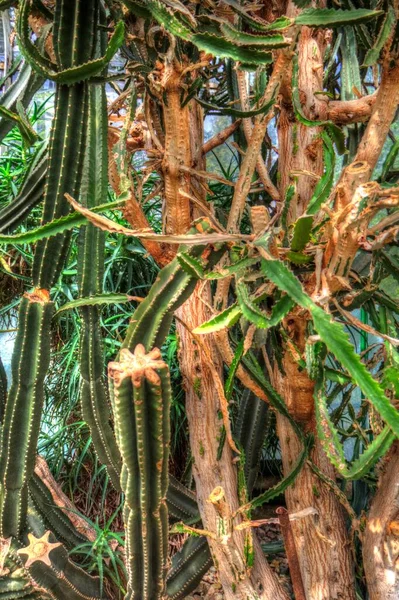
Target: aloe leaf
{"x": 23, "y": 89}
{"x": 223, "y": 320}
{"x": 329, "y": 17}
{"x": 28, "y": 134}
{"x": 250, "y": 432}
{"x": 302, "y": 230}
{"x": 242, "y": 38}
{"x": 30, "y": 192}
{"x": 189, "y": 565}
{"x": 55, "y": 227}
{"x": 323, "y": 187}
{"x": 236, "y": 267}
{"x": 191, "y": 265}
{"x": 388, "y": 24}
{"x": 336, "y": 340}
{"x": 94, "y": 67}
{"x": 285, "y": 483}
{"x": 239, "y": 114}
{"x": 218, "y": 46}
{"x": 390, "y": 160}
{"x": 249, "y": 308}
{"x": 256, "y": 22}
{"x": 332, "y": 446}
{"x": 97, "y": 300}
{"x": 333, "y": 130}
{"x": 181, "y": 501}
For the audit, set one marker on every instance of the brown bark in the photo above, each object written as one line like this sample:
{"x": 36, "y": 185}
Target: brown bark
{"x": 176, "y": 214}
{"x": 321, "y": 540}
{"x": 345, "y": 112}
{"x": 381, "y": 541}
{"x": 199, "y": 365}
{"x": 61, "y": 500}
{"x": 300, "y": 148}
{"x": 384, "y": 112}
{"x": 202, "y": 408}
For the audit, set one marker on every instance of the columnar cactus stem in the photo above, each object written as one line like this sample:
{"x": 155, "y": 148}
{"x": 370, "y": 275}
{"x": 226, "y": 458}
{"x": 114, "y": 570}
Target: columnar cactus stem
{"x": 23, "y": 409}
{"x": 141, "y": 408}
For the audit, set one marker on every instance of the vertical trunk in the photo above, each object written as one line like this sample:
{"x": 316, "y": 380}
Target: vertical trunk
{"x": 321, "y": 540}
{"x": 183, "y": 147}
{"x": 381, "y": 541}
{"x": 238, "y": 580}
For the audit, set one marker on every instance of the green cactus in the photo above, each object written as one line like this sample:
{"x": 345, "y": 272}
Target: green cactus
{"x": 51, "y": 569}
{"x": 94, "y": 396}
{"x": 76, "y": 20}
{"x": 23, "y": 408}
{"x": 141, "y": 409}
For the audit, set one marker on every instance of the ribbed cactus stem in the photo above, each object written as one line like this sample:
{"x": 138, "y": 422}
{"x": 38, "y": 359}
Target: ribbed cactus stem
{"x": 23, "y": 410}
{"x": 141, "y": 406}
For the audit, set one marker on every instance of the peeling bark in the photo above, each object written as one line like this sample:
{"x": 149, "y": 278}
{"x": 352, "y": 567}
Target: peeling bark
{"x": 321, "y": 541}
{"x": 202, "y": 408}
{"x": 381, "y": 541}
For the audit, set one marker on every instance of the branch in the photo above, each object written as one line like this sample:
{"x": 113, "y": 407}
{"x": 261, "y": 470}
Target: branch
{"x": 344, "y": 112}
{"x": 221, "y": 137}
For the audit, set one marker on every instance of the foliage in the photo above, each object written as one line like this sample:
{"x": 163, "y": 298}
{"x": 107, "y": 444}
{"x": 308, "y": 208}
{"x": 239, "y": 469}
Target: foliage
{"x": 271, "y": 255}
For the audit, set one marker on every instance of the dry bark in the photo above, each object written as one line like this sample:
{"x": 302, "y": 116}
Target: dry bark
{"x": 202, "y": 408}
{"x": 200, "y": 365}
{"x": 381, "y": 540}
{"x": 322, "y": 540}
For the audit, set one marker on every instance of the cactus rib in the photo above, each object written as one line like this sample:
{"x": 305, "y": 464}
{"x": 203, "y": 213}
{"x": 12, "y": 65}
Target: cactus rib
{"x": 23, "y": 410}
{"x": 141, "y": 407}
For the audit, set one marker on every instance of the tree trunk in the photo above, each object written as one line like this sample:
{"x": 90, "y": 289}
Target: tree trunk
{"x": 381, "y": 541}
{"x": 198, "y": 364}
{"x": 184, "y": 147}
{"x": 321, "y": 540}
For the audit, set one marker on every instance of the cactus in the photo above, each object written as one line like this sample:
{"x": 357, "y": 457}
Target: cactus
{"x": 50, "y": 568}
{"x": 141, "y": 408}
{"x": 30, "y": 193}
{"x": 94, "y": 398}
{"x": 23, "y": 408}
{"x": 72, "y": 20}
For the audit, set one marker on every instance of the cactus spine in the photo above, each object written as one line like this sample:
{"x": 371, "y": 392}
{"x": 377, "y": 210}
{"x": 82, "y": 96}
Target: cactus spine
{"x": 94, "y": 397}
{"x": 74, "y": 40}
{"x": 141, "y": 407}
{"x": 23, "y": 408}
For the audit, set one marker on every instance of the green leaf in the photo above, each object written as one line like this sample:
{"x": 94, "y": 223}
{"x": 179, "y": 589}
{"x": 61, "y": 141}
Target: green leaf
{"x": 249, "y": 308}
{"x": 282, "y": 485}
{"x": 223, "y": 320}
{"x": 302, "y": 229}
{"x": 333, "y": 130}
{"x": 323, "y": 187}
{"x": 387, "y": 25}
{"x": 98, "y": 299}
{"x": 93, "y": 67}
{"x": 165, "y": 17}
{"x": 191, "y": 265}
{"x": 221, "y": 47}
{"x": 336, "y": 340}
{"x": 28, "y": 134}
{"x": 55, "y": 227}
{"x": 329, "y": 17}
{"x": 232, "y": 269}
{"x": 332, "y": 446}
{"x": 241, "y": 38}
{"x": 233, "y": 112}
{"x": 390, "y": 160}
{"x": 256, "y": 22}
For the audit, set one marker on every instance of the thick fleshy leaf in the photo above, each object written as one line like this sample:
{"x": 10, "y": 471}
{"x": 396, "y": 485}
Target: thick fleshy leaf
{"x": 336, "y": 340}
{"x": 329, "y": 17}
